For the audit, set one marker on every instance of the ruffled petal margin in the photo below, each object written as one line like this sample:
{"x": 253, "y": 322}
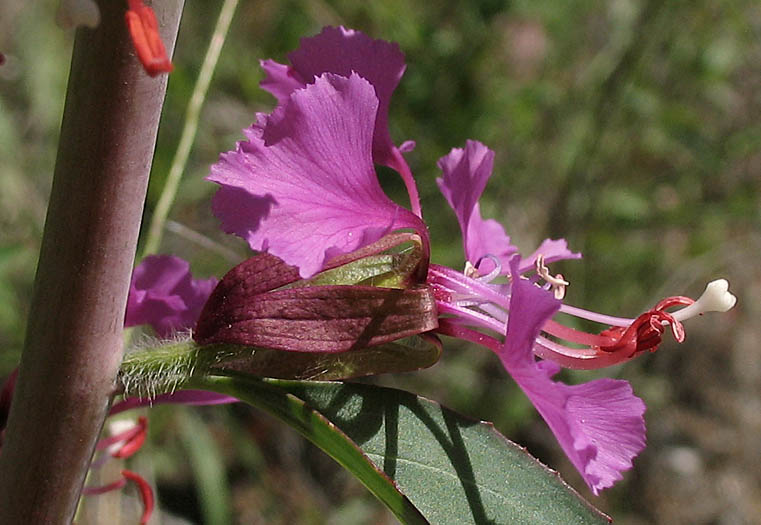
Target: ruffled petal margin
{"x": 465, "y": 174}
{"x": 344, "y": 51}
{"x": 553, "y": 250}
{"x": 307, "y": 172}
{"x": 599, "y": 424}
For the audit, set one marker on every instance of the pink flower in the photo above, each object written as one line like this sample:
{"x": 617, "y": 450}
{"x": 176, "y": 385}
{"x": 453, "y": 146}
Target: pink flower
{"x": 343, "y": 51}
{"x": 305, "y": 180}
{"x": 302, "y": 187}
{"x": 165, "y": 295}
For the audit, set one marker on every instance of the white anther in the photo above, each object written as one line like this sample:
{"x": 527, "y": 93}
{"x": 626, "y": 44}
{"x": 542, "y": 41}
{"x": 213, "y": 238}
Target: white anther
{"x": 715, "y": 298}
{"x": 558, "y": 287}
{"x": 556, "y": 282}
{"x": 470, "y": 270}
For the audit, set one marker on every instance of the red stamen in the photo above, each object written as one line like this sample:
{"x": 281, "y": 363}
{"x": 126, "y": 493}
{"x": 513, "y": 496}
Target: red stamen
{"x": 144, "y": 30}
{"x": 645, "y": 333}
{"x": 576, "y": 336}
{"x": 134, "y": 433}
{"x": 134, "y": 439}
{"x": 677, "y": 300}
{"x": 146, "y": 494}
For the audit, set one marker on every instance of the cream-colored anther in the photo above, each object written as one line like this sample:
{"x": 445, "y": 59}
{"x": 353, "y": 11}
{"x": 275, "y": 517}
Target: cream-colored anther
{"x": 470, "y": 270}
{"x": 715, "y": 298}
{"x": 556, "y": 282}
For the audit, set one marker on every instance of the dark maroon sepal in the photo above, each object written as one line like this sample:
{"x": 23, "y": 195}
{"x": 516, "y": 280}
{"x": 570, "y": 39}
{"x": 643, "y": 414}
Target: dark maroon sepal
{"x": 311, "y": 319}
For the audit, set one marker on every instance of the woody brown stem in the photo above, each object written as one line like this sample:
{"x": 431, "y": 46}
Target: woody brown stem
{"x": 73, "y": 344}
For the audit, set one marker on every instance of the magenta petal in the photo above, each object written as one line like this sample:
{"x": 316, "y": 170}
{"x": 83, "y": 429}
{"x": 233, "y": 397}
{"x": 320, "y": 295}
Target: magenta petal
{"x": 280, "y": 80}
{"x": 313, "y": 174}
{"x": 487, "y": 237}
{"x": 240, "y": 211}
{"x": 343, "y": 52}
{"x": 164, "y": 295}
{"x": 599, "y": 424}
{"x": 466, "y": 172}
{"x": 407, "y": 146}
{"x": 553, "y": 250}
{"x": 181, "y": 397}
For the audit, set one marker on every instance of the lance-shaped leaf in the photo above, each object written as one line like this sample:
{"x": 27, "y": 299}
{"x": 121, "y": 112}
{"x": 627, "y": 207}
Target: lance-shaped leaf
{"x": 409, "y": 451}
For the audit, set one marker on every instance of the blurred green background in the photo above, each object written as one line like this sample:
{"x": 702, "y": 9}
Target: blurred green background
{"x": 631, "y": 128}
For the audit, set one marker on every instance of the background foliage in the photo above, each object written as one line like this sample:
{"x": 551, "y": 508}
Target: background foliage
{"x": 629, "y": 127}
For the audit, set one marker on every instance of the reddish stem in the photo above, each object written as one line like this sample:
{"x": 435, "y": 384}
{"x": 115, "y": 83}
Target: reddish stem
{"x": 73, "y": 345}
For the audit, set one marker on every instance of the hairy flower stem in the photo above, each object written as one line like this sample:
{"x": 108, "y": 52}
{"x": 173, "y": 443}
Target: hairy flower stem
{"x": 149, "y": 372}
{"x": 73, "y": 346}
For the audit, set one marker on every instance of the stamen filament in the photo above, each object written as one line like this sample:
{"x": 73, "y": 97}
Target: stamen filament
{"x": 451, "y": 328}
{"x": 473, "y": 316}
{"x": 575, "y": 358}
{"x": 102, "y": 489}
{"x": 575, "y": 336}
{"x": 594, "y": 316}
{"x": 468, "y": 287}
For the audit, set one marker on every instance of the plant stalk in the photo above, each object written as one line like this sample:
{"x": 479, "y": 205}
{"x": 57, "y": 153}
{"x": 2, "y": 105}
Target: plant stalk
{"x": 73, "y": 345}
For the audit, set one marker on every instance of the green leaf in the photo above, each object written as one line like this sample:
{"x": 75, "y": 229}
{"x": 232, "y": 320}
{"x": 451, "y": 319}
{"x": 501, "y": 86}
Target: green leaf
{"x": 453, "y": 469}
{"x": 320, "y": 431}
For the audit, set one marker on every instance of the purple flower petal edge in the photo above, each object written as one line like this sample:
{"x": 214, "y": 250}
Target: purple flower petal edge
{"x": 343, "y": 51}
{"x": 553, "y": 250}
{"x": 465, "y": 174}
{"x": 164, "y": 294}
{"x": 307, "y": 172}
{"x": 599, "y": 424}
{"x": 280, "y": 80}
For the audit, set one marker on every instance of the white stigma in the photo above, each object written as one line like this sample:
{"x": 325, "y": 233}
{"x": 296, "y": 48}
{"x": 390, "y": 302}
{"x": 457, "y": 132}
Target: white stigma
{"x": 470, "y": 270}
{"x": 715, "y": 298}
